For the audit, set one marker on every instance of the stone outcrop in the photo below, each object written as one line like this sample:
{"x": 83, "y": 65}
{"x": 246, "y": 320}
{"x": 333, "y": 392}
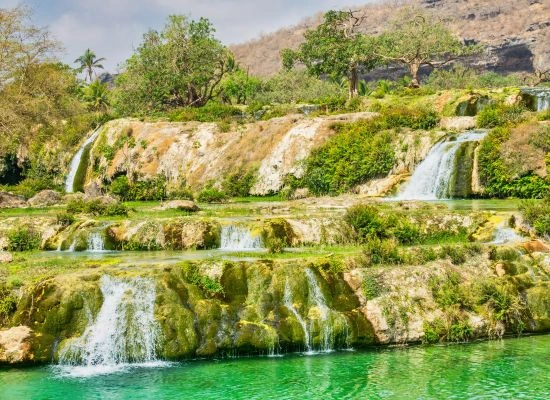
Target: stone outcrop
{"x": 182, "y": 205}
{"x": 16, "y": 345}
{"x": 9, "y": 200}
{"x": 45, "y": 198}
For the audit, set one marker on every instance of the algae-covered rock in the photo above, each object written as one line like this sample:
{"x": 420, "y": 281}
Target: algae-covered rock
{"x": 183, "y": 234}
{"x": 277, "y": 232}
{"x": 538, "y": 298}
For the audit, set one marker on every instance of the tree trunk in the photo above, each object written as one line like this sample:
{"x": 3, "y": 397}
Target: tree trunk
{"x": 353, "y": 82}
{"x": 413, "y": 69}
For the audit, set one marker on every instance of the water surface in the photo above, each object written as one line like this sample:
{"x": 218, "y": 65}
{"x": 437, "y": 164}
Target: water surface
{"x": 509, "y": 369}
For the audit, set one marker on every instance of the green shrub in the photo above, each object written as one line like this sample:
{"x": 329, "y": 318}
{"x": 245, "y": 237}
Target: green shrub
{"x": 153, "y": 189}
{"x": 537, "y": 214}
{"x": 446, "y": 290}
{"x": 180, "y": 193}
{"x": 64, "y": 219}
{"x": 23, "y": 238}
{"x": 239, "y": 184}
{"x": 505, "y": 302}
{"x": 367, "y": 222}
{"x": 96, "y": 207}
{"x": 417, "y": 118}
{"x": 377, "y": 252}
{"x": 433, "y": 331}
{"x": 211, "y": 195}
{"x": 192, "y": 274}
{"x": 276, "y": 246}
{"x": 357, "y": 153}
{"x": 500, "y": 115}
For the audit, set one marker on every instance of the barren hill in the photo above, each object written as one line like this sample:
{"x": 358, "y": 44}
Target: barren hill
{"x": 517, "y": 32}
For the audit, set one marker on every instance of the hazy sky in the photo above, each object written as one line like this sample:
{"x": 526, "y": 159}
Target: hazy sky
{"x": 112, "y": 28}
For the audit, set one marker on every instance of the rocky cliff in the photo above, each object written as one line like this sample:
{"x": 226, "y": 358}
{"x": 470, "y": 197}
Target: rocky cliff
{"x": 517, "y": 33}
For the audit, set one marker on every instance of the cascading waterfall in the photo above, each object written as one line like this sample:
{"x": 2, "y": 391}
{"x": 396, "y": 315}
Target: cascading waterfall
{"x": 505, "y": 234}
{"x": 124, "y": 331}
{"x": 96, "y": 243}
{"x": 316, "y": 296}
{"x": 537, "y": 99}
{"x": 234, "y": 237}
{"x": 290, "y": 305}
{"x": 432, "y": 178}
{"x": 77, "y": 160}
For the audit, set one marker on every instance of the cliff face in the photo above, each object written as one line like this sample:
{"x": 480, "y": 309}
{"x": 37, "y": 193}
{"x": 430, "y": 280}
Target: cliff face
{"x": 517, "y": 33}
{"x": 195, "y": 154}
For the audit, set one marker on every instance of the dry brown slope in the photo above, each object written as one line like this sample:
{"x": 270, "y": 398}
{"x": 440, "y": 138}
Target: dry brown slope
{"x": 512, "y": 26}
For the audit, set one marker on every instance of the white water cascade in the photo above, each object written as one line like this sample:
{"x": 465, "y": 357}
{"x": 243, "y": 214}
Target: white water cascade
{"x": 430, "y": 180}
{"x": 316, "y": 296}
{"x": 235, "y": 237}
{"x": 77, "y": 159}
{"x": 504, "y": 234}
{"x": 124, "y": 331}
{"x": 290, "y": 305}
{"x": 96, "y": 243}
{"x": 540, "y": 96}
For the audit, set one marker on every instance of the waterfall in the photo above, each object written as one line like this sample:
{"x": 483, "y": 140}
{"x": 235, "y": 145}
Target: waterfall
{"x": 95, "y": 242}
{"x": 76, "y": 161}
{"x": 504, "y": 234}
{"x": 290, "y": 306}
{"x": 239, "y": 238}
{"x": 124, "y": 330}
{"x": 325, "y": 327}
{"x": 431, "y": 180}
{"x": 537, "y": 99}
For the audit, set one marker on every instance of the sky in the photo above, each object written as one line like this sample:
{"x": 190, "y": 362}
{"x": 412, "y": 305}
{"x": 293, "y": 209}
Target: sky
{"x": 113, "y": 28}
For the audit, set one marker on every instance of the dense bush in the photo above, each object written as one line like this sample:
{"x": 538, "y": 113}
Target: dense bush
{"x": 23, "y": 238}
{"x": 415, "y": 118}
{"x": 500, "y": 115}
{"x": 96, "y": 207}
{"x": 239, "y": 184}
{"x": 8, "y": 304}
{"x": 353, "y": 156}
{"x": 461, "y": 77}
{"x": 141, "y": 190}
{"x": 537, "y": 214}
{"x": 211, "y": 195}
{"x": 65, "y": 219}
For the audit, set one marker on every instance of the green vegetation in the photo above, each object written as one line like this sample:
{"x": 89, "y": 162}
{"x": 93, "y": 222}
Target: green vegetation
{"x": 537, "y": 214}
{"x": 503, "y": 177}
{"x": 140, "y": 190}
{"x": 211, "y": 195}
{"x": 96, "y": 207}
{"x": 182, "y": 65}
{"x": 192, "y": 274}
{"x": 23, "y": 238}
{"x": 500, "y": 115}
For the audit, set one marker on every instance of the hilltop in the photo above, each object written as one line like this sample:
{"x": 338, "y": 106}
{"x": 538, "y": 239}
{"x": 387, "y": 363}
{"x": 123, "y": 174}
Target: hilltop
{"x": 517, "y": 33}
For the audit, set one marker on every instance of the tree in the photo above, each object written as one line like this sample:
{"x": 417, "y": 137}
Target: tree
{"x": 182, "y": 65}
{"x": 416, "y": 39}
{"x": 96, "y": 96}
{"x": 88, "y": 64}
{"x": 21, "y": 44}
{"x": 335, "y": 48}
{"x": 240, "y": 86}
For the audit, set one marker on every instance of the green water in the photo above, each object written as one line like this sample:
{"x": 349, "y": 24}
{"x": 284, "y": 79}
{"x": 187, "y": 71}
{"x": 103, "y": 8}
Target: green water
{"x": 509, "y": 369}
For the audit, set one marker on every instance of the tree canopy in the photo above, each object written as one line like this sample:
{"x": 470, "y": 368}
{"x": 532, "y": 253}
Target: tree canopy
{"x": 182, "y": 65}
{"x": 335, "y": 48}
{"x": 89, "y": 63}
{"x": 416, "y": 39}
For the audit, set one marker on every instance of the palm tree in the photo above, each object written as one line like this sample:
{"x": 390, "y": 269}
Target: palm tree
{"x": 88, "y": 62}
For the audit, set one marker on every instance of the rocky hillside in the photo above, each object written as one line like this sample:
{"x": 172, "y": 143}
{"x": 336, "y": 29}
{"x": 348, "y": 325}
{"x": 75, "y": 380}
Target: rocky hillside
{"x": 517, "y": 33}
{"x": 195, "y": 154}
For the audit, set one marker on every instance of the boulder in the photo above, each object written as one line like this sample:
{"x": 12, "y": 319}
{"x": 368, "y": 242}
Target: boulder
{"x": 182, "y": 205}
{"x": 5, "y": 257}
{"x": 535, "y": 246}
{"x": 9, "y": 200}
{"x": 45, "y": 198}
{"x": 458, "y": 123}
{"x": 15, "y": 345}
{"x": 93, "y": 190}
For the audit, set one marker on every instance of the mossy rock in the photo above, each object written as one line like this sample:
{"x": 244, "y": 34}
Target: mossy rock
{"x": 277, "y": 232}
{"x": 538, "y": 299}
{"x": 182, "y": 234}
{"x": 234, "y": 282}
{"x": 251, "y": 337}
